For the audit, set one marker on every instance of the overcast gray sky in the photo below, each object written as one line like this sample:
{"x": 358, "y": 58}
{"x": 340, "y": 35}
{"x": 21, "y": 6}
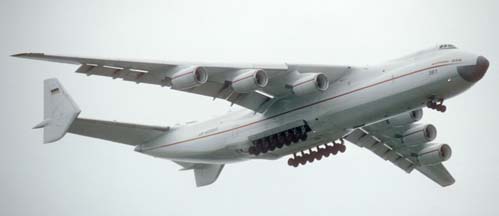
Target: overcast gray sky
{"x": 84, "y": 176}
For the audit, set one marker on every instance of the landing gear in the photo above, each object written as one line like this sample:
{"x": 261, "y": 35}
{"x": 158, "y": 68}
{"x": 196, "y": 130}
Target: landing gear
{"x": 273, "y": 142}
{"x": 258, "y": 147}
{"x": 297, "y": 133}
{"x": 292, "y": 162}
{"x": 265, "y": 145}
{"x": 436, "y": 104}
{"x": 303, "y": 158}
{"x": 303, "y": 137}
{"x": 279, "y": 140}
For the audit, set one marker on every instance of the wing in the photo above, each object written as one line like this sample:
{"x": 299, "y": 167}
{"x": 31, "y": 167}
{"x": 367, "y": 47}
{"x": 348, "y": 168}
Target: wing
{"x": 437, "y": 173}
{"x": 406, "y": 144}
{"x": 229, "y": 82}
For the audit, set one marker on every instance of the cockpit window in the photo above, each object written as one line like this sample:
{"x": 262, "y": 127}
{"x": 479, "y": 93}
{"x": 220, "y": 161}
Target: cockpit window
{"x": 447, "y": 46}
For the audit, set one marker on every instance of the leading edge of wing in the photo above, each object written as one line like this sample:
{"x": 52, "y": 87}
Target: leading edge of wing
{"x": 132, "y": 63}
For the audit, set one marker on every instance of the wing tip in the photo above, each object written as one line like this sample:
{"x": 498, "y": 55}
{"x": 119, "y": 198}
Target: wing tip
{"x": 21, "y": 55}
{"x": 448, "y": 183}
{"x": 18, "y": 55}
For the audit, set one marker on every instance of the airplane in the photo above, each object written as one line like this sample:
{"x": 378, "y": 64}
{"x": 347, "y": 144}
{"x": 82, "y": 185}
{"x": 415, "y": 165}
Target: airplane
{"x": 299, "y": 110}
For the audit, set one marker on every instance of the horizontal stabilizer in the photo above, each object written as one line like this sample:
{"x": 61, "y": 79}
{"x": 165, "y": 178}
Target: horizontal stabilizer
{"x": 61, "y": 116}
{"x": 126, "y": 133}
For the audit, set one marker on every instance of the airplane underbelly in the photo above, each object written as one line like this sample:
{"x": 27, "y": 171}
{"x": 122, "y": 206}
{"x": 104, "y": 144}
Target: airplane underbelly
{"x": 328, "y": 121}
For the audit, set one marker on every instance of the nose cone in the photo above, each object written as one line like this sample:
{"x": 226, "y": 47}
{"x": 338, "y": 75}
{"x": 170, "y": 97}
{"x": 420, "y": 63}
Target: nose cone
{"x": 473, "y": 73}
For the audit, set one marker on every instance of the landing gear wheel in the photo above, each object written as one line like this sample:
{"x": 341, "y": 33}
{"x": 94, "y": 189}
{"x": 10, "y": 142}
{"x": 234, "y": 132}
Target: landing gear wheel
{"x": 281, "y": 140}
{"x": 258, "y": 149}
{"x": 342, "y": 148}
{"x": 297, "y": 132}
{"x": 288, "y": 138}
{"x": 265, "y": 146}
{"x": 252, "y": 150}
{"x": 274, "y": 142}
{"x": 310, "y": 158}
{"x": 318, "y": 155}
{"x": 441, "y": 108}
{"x": 294, "y": 162}
{"x": 334, "y": 149}
{"x": 281, "y": 144}
{"x": 302, "y": 160}
{"x": 295, "y": 138}
{"x": 303, "y": 137}
{"x": 326, "y": 153}
{"x": 272, "y": 146}
{"x": 292, "y": 136}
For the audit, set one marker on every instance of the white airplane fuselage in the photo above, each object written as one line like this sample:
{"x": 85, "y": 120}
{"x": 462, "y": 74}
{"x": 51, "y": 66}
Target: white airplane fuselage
{"x": 362, "y": 97}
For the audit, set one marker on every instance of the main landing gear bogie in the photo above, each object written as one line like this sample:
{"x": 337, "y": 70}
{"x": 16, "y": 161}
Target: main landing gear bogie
{"x": 279, "y": 140}
{"x": 321, "y": 152}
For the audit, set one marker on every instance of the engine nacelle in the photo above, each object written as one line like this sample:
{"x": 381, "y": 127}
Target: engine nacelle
{"x": 189, "y": 78}
{"x": 434, "y": 154}
{"x": 249, "y": 81}
{"x": 405, "y": 118}
{"x": 401, "y": 119}
{"x": 310, "y": 83}
{"x": 418, "y": 134}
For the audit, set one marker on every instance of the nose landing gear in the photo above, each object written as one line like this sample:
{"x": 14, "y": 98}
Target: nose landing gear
{"x": 436, "y": 104}
{"x": 311, "y": 156}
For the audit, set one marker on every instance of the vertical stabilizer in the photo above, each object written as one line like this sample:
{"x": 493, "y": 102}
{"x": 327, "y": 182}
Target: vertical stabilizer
{"x": 59, "y": 111}
{"x": 205, "y": 174}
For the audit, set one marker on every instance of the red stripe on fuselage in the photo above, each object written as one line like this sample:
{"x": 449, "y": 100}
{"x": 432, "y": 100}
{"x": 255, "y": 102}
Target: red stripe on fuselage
{"x": 181, "y": 75}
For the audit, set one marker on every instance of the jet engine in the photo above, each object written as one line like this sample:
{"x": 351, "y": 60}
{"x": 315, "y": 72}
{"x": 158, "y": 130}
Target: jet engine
{"x": 434, "y": 154}
{"x": 417, "y": 134}
{"x": 399, "y": 120}
{"x": 250, "y": 80}
{"x": 405, "y": 118}
{"x": 189, "y": 78}
{"x": 316, "y": 82}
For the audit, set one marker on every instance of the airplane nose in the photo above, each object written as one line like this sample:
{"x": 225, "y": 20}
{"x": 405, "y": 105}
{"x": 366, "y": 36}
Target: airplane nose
{"x": 473, "y": 73}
